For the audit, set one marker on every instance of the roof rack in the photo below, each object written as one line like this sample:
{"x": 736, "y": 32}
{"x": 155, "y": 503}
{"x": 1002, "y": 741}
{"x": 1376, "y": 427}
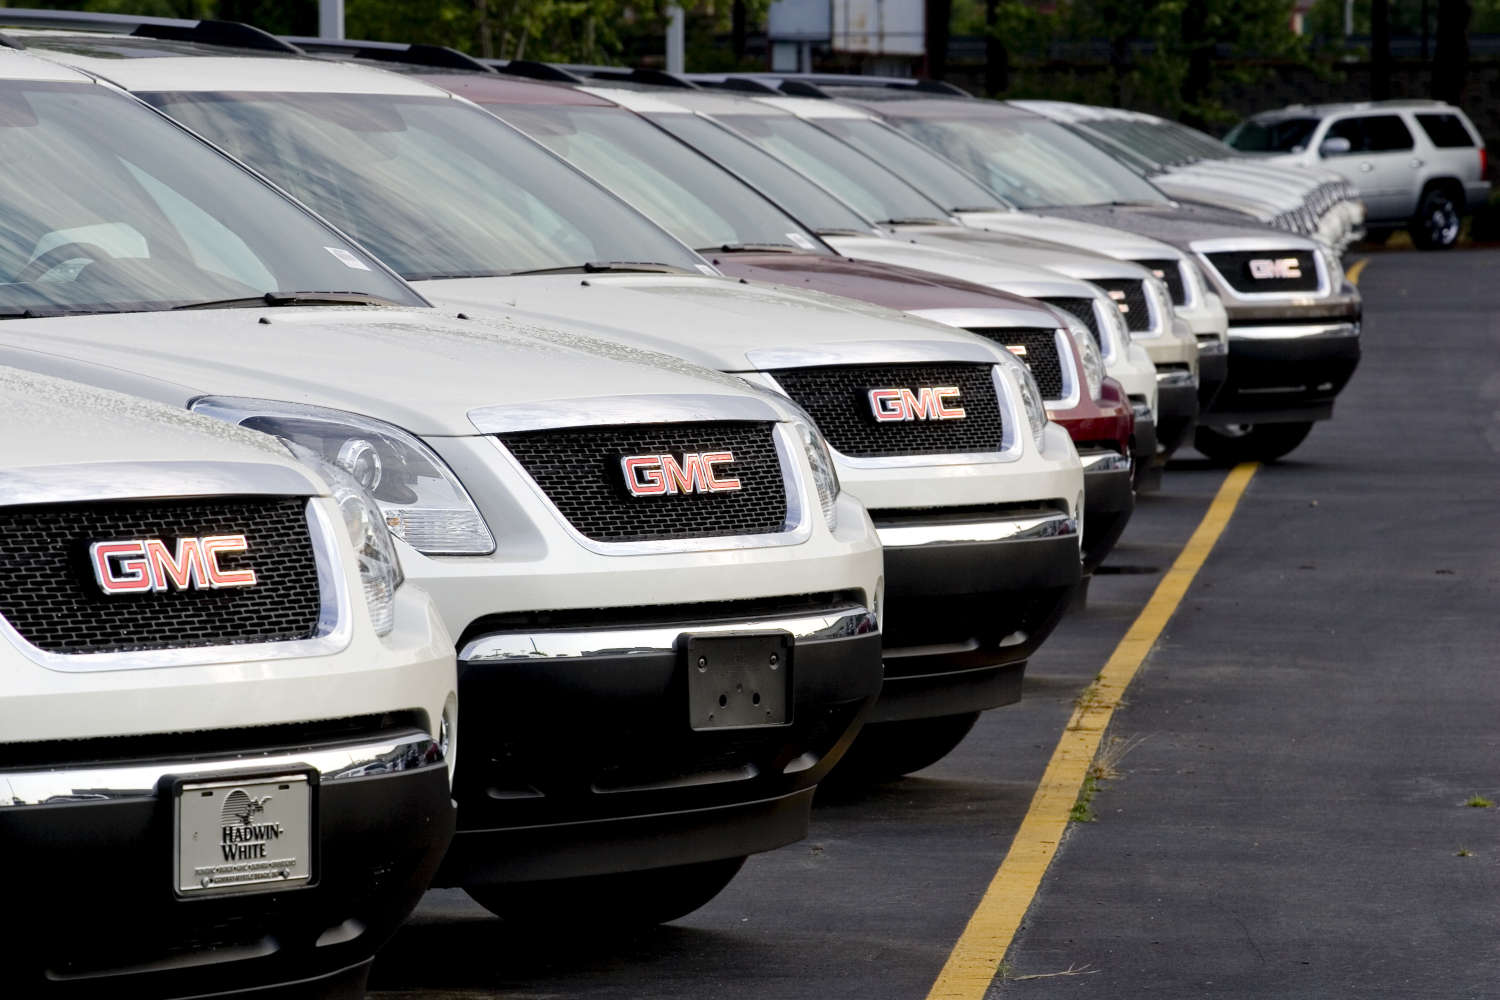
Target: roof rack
{"x": 854, "y": 80}
{"x": 228, "y": 33}
{"x": 744, "y": 84}
{"x": 416, "y": 54}
{"x": 626, "y": 74}
{"x": 533, "y": 70}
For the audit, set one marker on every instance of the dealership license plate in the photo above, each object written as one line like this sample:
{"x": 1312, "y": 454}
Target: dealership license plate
{"x": 737, "y": 681}
{"x": 242, "y": 834}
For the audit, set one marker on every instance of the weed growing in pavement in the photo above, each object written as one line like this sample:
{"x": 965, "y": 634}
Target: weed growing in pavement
{"x": 1083, "y": 808}
{"x": 1106, "y": 767}
{"x": 1480, "y": 802}
{"x": 1464, "y": 852}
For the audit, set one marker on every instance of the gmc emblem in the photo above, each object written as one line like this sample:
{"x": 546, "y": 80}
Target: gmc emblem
{"x": 926, "y": 403}
{"x": 1281, "y": 267}
{"x": 658, "y": 475}
{"x": 148, "y": 566}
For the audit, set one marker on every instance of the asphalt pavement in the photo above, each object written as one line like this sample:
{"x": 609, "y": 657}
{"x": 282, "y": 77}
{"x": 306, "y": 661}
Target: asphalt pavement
{"x": 1287, "y": 813}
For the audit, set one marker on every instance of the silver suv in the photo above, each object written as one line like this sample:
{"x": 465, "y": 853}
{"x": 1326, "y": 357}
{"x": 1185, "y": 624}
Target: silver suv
{"x": 1418, "y": 164}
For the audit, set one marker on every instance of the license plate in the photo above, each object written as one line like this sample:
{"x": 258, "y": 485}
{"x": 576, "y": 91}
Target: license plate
{"x": 740, "y": 680}
{"x": 242, "y": 834}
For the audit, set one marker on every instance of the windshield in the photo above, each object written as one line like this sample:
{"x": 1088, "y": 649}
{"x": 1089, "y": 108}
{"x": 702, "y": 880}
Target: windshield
{"x": 818, "y": 209}
{"x": 870, "y": 188}
{"x": 954, "y": 190}
{"x": 436, "y": 187}
{"x": 1285, "y": 135}
{"x": 1032, "y": 162}
{"x": 108, "y": 208}
{"x": 700, "y": 203}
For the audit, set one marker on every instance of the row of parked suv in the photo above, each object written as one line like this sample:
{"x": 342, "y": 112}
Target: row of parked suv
{"x": 537, "y": 479}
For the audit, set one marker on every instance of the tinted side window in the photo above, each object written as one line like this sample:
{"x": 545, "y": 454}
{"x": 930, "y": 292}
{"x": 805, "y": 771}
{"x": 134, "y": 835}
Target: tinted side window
{"x": 1352, "y": 129}
{"x": 1384, "y": 133}
{"x": 1445, "y": 131}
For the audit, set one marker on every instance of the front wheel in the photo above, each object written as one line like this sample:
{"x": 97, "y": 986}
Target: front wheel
{"x": 618, "y": 901}
{"x": 1436, "y": 224}
{"x": 1250, "y": 442}
{"x": 885, "y": 750}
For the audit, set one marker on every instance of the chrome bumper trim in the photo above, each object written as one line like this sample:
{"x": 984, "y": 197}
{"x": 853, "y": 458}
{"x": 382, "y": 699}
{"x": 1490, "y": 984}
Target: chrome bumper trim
{"x": 1019, "y": 529}
{"x": 102, "y": 783}
{"x": 1211, "y": 345}
{"x": 1104, "y": 461}
{"x": 1337, "y": 328}
{"x": 835, "y": 623}
{"x": 1172, "y": 379}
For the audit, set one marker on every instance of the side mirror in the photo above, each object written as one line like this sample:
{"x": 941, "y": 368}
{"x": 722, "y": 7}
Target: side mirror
{"x": 1337, "y": 146}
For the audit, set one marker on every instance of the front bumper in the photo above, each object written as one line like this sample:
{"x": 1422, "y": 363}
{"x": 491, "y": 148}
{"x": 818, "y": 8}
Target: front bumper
{"x": 92, "y": 910}
{"x": 969, "y": 597}
{"x": 1285, "y": 373}
{"x": 1213, "y": 371}
{"x": 1108, "y": 501}
{"x": 1177, "y": 390}
{"x": 579, "y": 757}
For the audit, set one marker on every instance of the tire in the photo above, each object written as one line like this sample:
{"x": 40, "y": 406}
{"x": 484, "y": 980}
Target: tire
{"x": 1436, "y": 224}
{"x": 1250, "y": 442}
{"x": 609, "y": 902}
{"x": 887, "y": 750}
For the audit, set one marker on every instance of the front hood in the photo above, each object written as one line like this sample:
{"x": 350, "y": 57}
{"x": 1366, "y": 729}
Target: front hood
{"x": 51, "y": 422}
{"x": 1008, "y": 248}
{"x": 902, "y": 288}
{"x": 1208, "y": 192}
{"x": 1179, "y": 225}
{"x": 412, "y": 367}
{"x": 1018, "y": 279}
{"x": 721, "y": 323}
{"x": 1118, "y": 243}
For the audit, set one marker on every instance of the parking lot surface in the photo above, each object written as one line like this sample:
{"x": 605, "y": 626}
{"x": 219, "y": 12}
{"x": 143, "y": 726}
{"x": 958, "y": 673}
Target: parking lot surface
{"x": 1287, "y": 810}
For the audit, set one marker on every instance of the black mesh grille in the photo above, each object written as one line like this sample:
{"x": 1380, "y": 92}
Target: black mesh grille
{"x": 579, "y": 470}
{"x": 1084, "y": 310}
{"x": 1040, "y": 355}
{"x": 1171, "y": 273}
{"x": 838, "y": 399}
{"x": 49, "y": 594}
{"x": 1235, "y": 267}
{"x": 1130, "y": 295}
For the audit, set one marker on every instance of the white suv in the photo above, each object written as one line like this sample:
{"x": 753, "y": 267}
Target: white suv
{"x": 1418, "y": 164}
{"x": 608, "y": 534}
{"x": 223, "y": 718}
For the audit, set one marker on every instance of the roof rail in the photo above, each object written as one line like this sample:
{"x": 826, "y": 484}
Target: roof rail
{"x": 533, "y": 70}
{"x": 415, "y": 54}
{"x": 626, "y": 74}
{"x": 886, "y": 82}
{"x": 803, "y": 88}
{"x": 228, "y": 33}
{"x": 741, "y": 83}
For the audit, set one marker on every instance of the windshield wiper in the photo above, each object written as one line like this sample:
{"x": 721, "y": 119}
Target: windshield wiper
{"x": 913, "y": 222}
{"x": 608, "y": 267}
{"x": 294, "y": 299}
{"x": 752, "y": 248}
{"x": 844, "y": 232}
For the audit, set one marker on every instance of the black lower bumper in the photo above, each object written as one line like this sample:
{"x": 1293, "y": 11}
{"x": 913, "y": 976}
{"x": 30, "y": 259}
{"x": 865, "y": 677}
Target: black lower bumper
{"x": 962, "y": 618}
{"x": 1285, "y": 379}
{"x": 1176, "y": 413}
{"x": 90, "y": 908}
{"x": 589, "y": 765}
{"x": 1213, "y": 372}
{"x": 1108, "y": 502}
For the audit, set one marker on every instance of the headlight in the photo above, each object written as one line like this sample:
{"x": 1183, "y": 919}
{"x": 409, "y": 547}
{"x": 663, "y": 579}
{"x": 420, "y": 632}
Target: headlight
{"x": 825, "y": 476}
{"x": 1088, "y": 356}
{"x": 1161, "y": 303}
{"x": 379, "y": 566}
{"x": 1031, "y": 402}
{"x": 420, "y": 500}
{"x": 1192, "y": 281}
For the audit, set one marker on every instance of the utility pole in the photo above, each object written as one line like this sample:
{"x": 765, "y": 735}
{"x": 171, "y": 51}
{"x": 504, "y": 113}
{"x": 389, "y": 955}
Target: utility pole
{"x": 330, "y": 18}
{"x": 676, "y": 39}
{"x": 1380, "y": 50}
{"x": 939, "y": 14}
{"x": 1450, "y": 58}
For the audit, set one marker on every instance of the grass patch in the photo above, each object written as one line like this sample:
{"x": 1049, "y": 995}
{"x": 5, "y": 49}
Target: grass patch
{"x": 1479, "y": 802}
{"x": 1106, "y": 767}
{"x": 1464, "y": 852}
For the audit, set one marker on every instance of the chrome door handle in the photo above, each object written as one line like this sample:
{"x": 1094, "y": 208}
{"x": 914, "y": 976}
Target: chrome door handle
{"x": 1367, "y": 167}
{"x": 1417, "y": 163}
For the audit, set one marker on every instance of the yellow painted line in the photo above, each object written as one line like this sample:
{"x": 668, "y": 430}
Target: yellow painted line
{"x": 1356, "y": 269}
{"x": 976, "y": 958}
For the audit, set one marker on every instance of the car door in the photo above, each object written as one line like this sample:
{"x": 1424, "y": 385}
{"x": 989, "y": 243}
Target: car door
{"x": 1381, "y": 160}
